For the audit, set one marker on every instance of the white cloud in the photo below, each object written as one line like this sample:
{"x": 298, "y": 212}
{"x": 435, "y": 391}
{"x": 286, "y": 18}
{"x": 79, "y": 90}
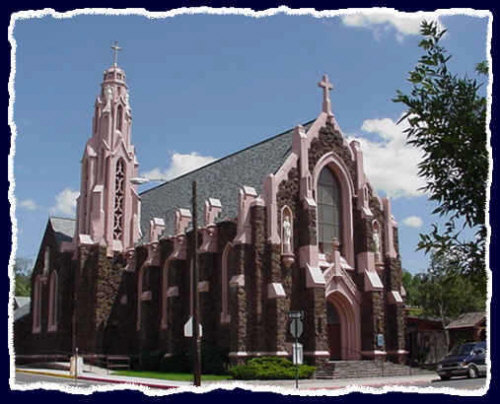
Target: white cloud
{"x": 390, "y": 164}
{"x": 403, "y": 23}
{"x": 179, "y": 164}
{"x": 28, "y": 204}
{"x": 65, "y": 202}
{"x": 413, "y": 221}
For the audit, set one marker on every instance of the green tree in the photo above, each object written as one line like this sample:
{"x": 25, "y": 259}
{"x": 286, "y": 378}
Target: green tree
{"x": 412, "y": 286}
{"x": 444, "y": 293}
{"x": 22, "y": 272}
{"x": 447, "y": 122}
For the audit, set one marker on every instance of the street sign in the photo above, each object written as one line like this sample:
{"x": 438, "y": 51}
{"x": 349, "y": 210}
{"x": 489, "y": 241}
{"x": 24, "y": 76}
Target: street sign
{"x": 298, "y": 353}
{"x": 296, "y": 327}
{"x": 380, "y": 340}
{"x": 188, "y": 328}
{"x": 296, "y": 314}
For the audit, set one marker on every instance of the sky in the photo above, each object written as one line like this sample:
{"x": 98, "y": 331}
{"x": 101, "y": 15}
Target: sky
{"x": 203, "y": 86}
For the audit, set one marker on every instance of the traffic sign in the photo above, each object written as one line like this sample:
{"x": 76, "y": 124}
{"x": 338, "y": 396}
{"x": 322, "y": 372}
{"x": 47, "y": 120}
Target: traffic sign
{"x": 188, "y": 328}
{"x": 296, "y": 327}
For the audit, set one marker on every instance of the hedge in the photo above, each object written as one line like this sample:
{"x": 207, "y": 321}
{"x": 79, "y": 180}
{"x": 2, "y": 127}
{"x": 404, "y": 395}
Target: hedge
{"x": 269, "y": 368}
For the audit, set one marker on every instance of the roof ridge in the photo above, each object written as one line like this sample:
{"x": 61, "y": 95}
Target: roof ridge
{"x": 64, "y": 218}
{"x": 223, "y": 158}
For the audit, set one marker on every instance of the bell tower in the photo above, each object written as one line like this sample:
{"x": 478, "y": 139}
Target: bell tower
{"x": 108, "y": 205}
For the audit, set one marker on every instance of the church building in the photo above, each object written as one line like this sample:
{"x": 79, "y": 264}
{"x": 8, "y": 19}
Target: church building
{"x": 288, "y": 224}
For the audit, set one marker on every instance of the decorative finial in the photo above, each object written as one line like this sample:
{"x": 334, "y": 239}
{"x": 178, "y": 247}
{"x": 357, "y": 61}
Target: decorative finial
{"x": 327, "y": 86}
{"x": 116, "y": 49}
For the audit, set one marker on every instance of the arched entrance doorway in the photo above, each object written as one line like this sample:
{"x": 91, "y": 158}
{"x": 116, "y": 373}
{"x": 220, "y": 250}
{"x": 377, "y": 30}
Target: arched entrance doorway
{"x": 334, "y": 331}
{"x": 344, "y": 338}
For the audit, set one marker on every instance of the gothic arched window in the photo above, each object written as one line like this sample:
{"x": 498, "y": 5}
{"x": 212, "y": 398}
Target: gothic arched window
{"x": 329, "y": 210}
{"x": 226, "y": 261}
{"x": 46, "y": 261}
{"x": 119, "y": 118}
{"x": 52, "y": 323}
{"x": 37, "y": 305}
{"x": 119, "y": 200}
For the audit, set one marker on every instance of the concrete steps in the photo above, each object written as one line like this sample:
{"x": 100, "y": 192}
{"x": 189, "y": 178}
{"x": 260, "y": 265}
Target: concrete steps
{"x": 365, "y": 368}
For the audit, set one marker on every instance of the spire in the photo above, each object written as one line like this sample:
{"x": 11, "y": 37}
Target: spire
{"x": 327, "y": 86}
{"x": 116, "y": 49}
{"x": 108, "y": 206}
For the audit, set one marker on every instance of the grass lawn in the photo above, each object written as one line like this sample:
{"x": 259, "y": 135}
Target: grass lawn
{"x": 188, "y": 377}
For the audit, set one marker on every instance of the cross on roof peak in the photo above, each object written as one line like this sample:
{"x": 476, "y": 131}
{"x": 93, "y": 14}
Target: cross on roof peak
{"x": 116, "y": 49}
{"x": 326, "y": 85}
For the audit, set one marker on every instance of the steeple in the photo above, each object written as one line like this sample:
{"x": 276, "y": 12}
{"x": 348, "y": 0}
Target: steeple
{"x": 108, "y": 205}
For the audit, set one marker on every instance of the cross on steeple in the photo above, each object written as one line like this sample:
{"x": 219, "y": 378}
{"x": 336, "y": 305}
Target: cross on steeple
{"x": 116, "y": 49}
{"x": 327, "y": 86}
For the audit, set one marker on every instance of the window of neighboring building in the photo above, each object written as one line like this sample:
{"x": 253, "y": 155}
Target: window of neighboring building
{"x": 329, "y": 210}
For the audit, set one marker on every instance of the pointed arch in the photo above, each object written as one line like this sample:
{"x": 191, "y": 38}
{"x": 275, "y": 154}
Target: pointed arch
{"x": 53, "y": 299}
{"x": 119, "y": 118}
{"x": 348, "y": 314}
{"x": 46, "y": 261}
{"x": 346, "y": 187}
{"x": 329, "y": 217}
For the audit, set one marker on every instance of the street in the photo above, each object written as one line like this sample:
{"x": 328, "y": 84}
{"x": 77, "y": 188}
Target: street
{"x": 461, "y": 383}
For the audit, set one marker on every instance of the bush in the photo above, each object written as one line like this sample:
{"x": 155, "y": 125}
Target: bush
{"x": 179, "y": 363}
{"x": 269, "y": 368}
{"x": 150, "y": 360}
{"x": 213, "y": 361}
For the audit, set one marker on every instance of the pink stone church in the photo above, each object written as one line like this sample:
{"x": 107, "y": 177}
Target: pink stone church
{"x": 290, "y": 223}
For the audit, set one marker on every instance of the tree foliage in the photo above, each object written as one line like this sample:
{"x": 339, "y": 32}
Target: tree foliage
{"x": 447, "y": 122}
{"x": 443, "y": 293}
{"x": 22, "y": 272}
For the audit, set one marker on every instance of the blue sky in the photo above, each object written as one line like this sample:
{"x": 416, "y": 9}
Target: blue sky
{"x": 203, "y": 86}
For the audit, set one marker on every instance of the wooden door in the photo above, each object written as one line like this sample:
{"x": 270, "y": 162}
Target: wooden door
{"x": 334, "y": 341}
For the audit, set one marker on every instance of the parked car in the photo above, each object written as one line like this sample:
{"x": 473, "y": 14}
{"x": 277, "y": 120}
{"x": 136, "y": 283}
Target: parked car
{"x": 468, "y": 359}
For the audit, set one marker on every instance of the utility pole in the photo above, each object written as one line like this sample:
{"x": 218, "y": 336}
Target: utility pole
{"x": 196, "y": 302}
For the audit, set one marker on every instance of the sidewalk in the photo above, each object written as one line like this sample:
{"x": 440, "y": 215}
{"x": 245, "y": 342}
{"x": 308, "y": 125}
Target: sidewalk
{"x": 307, "y": 384}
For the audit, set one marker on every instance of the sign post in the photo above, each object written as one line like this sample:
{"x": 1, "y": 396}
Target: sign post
{"x": 296, "y": 329}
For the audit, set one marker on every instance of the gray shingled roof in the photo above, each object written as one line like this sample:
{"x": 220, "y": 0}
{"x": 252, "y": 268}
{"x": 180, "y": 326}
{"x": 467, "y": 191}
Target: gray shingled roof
{"x": 64, "y": 228}
{"x": 467, "y": 320}
{"x": 221, "y": 179}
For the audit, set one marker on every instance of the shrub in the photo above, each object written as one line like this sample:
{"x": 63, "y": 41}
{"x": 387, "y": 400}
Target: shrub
{"x": 149, "y": 360}
{"x": 269, "y": 368}
{"x": 213, "y": 361}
